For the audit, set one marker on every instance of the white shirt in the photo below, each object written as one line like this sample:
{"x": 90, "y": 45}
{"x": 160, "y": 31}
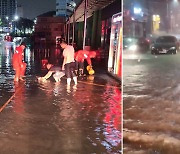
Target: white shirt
{"x": 68, "y": 53}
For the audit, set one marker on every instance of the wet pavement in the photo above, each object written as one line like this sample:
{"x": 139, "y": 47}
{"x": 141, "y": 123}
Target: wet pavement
{"x": 51, "y": 118}
{"x": 151, "y": 97}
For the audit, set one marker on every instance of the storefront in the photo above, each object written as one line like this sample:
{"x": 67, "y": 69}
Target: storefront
{"x": 156, "y": 23}
{"x": 115, "y": 49}
{"x": 97, "y": 34}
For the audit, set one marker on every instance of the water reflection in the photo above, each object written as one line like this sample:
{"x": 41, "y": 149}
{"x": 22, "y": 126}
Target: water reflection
{"x": 82, "y": 119}
{"x": 151, "y": 98}
{"x": 112, "y": 117}
{"x": 57, "y": 88}
{"x": 7, "y": 72}
{"x": 19, "y": 98}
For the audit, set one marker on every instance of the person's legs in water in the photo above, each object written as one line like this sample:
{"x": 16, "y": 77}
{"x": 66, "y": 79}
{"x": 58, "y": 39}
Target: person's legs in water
{"x": 75, "y": 80}
{"x": 68, "y": 81}
{"x": 76, "y": 67}
{"x": 17, "y": 73}
{"x": 68, "y": 73}
{"x": 56, "y": 78}
{"x": 58, "y": 75}
{"x": 73, "y": 74}
{"x": 22, "y": 71}
{"x": 81, "y": 68}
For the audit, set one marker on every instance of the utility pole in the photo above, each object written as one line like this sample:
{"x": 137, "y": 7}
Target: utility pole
{"x": 168, "y": 19}
{"x": 85, "y": 22}
{"x": 73, "y": 26}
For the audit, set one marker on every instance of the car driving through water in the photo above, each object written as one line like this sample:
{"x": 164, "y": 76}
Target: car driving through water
{"x": 165, "y": 45}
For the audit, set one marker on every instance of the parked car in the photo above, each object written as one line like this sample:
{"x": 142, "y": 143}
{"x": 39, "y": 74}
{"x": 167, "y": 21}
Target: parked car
{"x": 134, "y": 44}
{"x": 165, "y": 45}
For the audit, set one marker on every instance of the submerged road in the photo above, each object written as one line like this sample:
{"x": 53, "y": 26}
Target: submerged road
{"x": 50, "y": 118}
{"x": 151, "y": 97}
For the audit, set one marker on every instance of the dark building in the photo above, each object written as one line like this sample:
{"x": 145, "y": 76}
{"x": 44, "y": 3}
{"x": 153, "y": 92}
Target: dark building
{"x": 98, "y": 23}
{"x": 65, "y": 7}
{"x": 47, "y": 28}
{"x": 144, "y": 17}
{"x": 135, "y": 18}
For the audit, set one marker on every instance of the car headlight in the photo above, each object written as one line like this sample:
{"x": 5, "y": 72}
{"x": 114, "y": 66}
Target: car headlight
{"x": 133, "y": 47}
{"x": 172, "y": 48}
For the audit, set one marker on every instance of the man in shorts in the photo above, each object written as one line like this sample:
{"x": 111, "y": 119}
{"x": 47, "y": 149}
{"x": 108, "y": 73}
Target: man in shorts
{"x": 68, "y": 62}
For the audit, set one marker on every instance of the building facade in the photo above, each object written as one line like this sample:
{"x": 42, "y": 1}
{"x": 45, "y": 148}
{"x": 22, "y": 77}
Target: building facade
{"x": 65, "y": 7}
{"x": 135, "y": 16}
{"x": 145, "y": 17}
{"x": 20, "y": 11}
{"x": 47, "y": 29}
{"x": 8, "y": 9}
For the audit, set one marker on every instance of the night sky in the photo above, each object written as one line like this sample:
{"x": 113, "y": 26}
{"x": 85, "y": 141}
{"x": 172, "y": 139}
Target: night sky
{"x": 33, "y": 8}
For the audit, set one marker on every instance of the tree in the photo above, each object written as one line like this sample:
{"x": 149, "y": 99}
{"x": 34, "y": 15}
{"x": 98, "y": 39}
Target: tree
{"x": 24, "y": 24}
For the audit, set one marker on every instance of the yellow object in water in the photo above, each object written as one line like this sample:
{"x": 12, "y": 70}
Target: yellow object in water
{"x": 91, "y": 71}
{"x": 88, "y": 68}
{"x": 90, "y": 77}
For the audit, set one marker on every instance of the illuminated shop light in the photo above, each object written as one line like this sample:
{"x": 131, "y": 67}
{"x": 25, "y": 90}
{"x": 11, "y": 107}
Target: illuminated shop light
{"x": 137, "y": 10}
{"x": 117, "y": 19}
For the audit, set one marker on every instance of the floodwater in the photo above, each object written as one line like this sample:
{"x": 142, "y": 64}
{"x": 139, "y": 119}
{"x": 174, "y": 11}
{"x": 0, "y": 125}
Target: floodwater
{"x": 52, "y": 118}
{"x": 151, "y": 97}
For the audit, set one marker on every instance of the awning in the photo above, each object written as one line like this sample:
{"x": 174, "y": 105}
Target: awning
{"x": 93, "y": 5}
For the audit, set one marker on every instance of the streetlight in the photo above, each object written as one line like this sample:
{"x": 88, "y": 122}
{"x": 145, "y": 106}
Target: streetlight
{"x": 7, "y": 24}
{"x": 71, "y": 7}
{"x": 16, "y": 17}
{"x": 74, "y": 6}
{"x": 137, "y": 10}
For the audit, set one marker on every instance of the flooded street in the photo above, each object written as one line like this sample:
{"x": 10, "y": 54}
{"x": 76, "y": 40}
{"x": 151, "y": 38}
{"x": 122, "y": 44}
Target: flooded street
{"x": 151, "y": 98}
{"x": 51, "y": 118}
